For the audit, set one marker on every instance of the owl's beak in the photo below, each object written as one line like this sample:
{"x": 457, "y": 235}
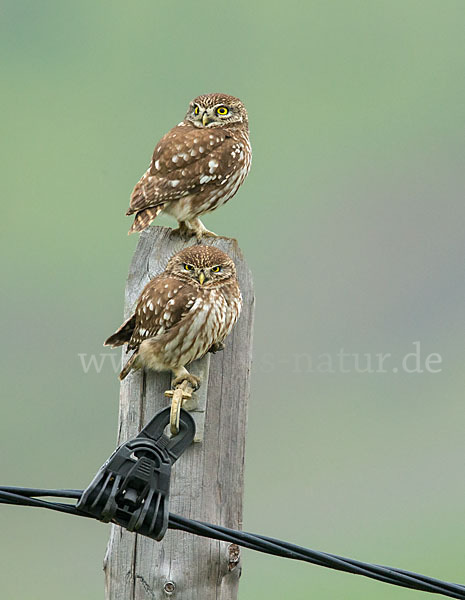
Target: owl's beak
{"x": 201, "y": 277}
{"x": 205, "y": 119}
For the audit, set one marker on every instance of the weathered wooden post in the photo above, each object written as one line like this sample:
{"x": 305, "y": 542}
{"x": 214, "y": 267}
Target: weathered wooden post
{"x": 207, "y": 482}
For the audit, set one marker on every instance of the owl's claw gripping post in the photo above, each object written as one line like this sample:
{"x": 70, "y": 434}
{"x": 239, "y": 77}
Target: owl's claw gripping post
{"x": 205, "y": 234}
{"x": 184, "y": 231}
{"x": 214, "y": 348}
{"x": 200, "y": 230}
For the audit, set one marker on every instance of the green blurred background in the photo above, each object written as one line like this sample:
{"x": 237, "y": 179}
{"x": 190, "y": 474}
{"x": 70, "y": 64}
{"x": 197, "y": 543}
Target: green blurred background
{"x": 352, "y": 220}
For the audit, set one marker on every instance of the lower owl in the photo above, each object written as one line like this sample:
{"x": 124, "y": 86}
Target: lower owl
{"x": 182, "y": 314}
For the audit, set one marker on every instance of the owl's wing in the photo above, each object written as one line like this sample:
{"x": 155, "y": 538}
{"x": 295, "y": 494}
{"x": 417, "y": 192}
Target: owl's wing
{"x": 185, "y": 160}
{"x": 164, "y": 302}
{"x": 122, "y": 334}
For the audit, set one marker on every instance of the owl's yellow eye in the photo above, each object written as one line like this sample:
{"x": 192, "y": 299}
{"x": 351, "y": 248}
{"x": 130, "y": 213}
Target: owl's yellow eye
{"x": 196, "y": 110}
{"x": 188, "y": 267}
{"x": 215, "y": 269}
{"x": 222, "y": 111}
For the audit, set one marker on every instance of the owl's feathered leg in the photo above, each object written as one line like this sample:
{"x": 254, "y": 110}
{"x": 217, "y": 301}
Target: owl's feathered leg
{"x": 184, "y": 230}
{"x": 199, "y": 229}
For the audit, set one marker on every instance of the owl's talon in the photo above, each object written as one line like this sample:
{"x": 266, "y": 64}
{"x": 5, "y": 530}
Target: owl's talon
{"x": 206, "y": 233}
{"x": 192, "y": 380}
{"x": 184, "y": 231}
{"x": 214, "y": 348}
{"x": 199, "y": 229}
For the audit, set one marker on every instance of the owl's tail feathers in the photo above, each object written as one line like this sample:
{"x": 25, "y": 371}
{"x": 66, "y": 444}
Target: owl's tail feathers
{"x": 132, "y": 363}
{"x": 144, "y": 217}
{"x": 123, "y": 334}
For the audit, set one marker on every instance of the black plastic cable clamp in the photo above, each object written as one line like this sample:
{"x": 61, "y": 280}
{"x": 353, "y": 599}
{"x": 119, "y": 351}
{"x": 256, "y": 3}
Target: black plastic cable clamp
{"x": 132, "y": 487}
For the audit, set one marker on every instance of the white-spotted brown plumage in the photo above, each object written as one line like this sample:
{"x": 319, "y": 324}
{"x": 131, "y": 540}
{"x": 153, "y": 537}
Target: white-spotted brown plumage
{"x": 197, "y": 166}
{"x": 183, "y": 313}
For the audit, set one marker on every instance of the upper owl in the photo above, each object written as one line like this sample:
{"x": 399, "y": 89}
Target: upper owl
{"x": 197, "y": 166}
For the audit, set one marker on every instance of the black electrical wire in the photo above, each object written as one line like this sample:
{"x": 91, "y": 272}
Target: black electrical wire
{"x": 268, "y": 545}
{"x": 286, "y": 550}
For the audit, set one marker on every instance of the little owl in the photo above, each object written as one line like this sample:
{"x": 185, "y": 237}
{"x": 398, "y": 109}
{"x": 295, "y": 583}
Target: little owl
{"x": 182, "y": 314}
{"x": 196, "y": 167}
